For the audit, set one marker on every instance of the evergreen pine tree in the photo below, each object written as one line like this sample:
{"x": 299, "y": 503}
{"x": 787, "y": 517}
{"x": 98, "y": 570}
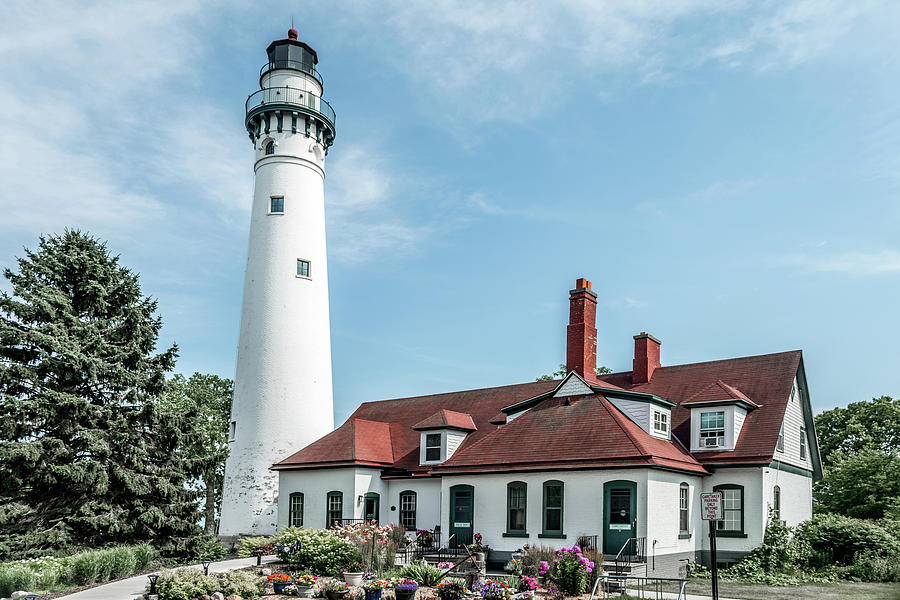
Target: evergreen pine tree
{"x": 88, "y": 453}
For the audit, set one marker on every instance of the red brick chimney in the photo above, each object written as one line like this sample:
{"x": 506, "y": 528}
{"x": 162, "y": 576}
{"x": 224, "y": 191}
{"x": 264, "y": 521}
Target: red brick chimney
{"x": 581, "y": 334}
{"x": 646, "y": 357}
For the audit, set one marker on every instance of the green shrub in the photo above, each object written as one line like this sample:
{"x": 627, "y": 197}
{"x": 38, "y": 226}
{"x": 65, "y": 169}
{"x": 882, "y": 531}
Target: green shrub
{"x": 185, "y": 584}
{"x": 15, "y": 577}
{"x": 143, "y": 554}
{"x": 84, "y": 568}
{"x": 317, "y": 550}
{"x": 48, "y": 573}
{"x": 206, "y": 547}
{"x": 871, "y": 566}
{"x": 569, "y": 571}
{"x": 533, "y": 555}
{"x": 830, "y": 539}
{"x": 241, "y": 583}
{"x": 422, "y": 573}
{"x": 247, "y": 545}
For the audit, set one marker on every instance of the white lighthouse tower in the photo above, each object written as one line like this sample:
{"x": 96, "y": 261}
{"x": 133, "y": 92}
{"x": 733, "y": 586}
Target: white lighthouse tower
{"x": 282, "y": 384}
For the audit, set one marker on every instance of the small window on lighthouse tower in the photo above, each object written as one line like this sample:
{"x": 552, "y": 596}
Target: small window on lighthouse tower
{"x": 276, "y": 205}
{"x": 270, "y": 148}
{"x": 302, "y": 268}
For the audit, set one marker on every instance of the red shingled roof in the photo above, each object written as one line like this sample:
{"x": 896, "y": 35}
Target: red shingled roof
{"x": 403, "y": 413}
{"x": 588, "y": 432}
{"x": 447, "y": 419}
{"x": 767, "y": 379}
{"x": 717, "y": 392}
{"x": 570, "y": 432}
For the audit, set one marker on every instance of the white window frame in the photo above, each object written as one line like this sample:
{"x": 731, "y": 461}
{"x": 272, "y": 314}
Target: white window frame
{"x": 426, "y": 447}
{"x": 718, "y": 430}
{"x": 779, "y": 445}
{"x": 663, "y": 418}
{"x": 308, "y": 268}
{"x": 803, "y": 452}
{"x": 271, "y": 200}
{"x": 684, "y": 508}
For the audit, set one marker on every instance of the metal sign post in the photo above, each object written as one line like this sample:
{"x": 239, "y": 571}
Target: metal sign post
{"x": 712, "y": 509}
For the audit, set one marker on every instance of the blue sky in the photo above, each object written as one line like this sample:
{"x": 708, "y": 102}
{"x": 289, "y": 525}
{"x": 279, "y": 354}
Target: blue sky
{"x": 726, "y": 173}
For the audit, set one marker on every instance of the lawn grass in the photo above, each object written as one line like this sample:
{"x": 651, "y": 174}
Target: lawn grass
{"x": 819, "y": 591}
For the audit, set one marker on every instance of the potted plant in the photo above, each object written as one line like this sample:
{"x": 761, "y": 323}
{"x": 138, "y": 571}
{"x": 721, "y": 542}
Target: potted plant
{"x": 336, "y": 590}
{"x": 495, "y": 590}
{"x": 353, "y": 574}
{"x": 450, "y": 590}
{"x": 373, "y": 588}
{"x": 424, "y": 538}
{"x": 280, "y": 581}
{"x": 478, "y": 549}
{"x": 406, "y": 589}
{"x": 304, "y": 584}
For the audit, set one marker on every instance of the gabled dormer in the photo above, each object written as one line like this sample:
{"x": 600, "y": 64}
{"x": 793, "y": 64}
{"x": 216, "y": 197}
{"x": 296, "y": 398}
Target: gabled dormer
{"x": 650, "y": 412}
{"x": 571, "y": 386}
{"x": 717, "y": 416}
{"x": 441, "y": 434}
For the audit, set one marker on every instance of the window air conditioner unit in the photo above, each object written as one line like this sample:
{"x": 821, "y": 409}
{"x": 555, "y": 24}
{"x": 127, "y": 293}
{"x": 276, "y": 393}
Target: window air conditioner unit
{"x": 713, "y": 442}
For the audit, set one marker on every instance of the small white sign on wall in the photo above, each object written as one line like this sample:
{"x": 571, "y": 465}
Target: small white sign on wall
{"x": 712, "y": 506}
{"x": 462, "y": 525}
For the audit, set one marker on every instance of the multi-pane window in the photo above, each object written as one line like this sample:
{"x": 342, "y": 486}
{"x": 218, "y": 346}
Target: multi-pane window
{"x": 515, "y": 507}
{"x": 302, "y": 268}
{"x": 276, "y": 204}
{"x": 733, "y": 496}
{"x": 660, "y": 422}
{"x": 683, "y": 510}
{"x": 553, "y": 507}
{"x": 335, "y": 509}
{"x": 432, "y": 447}
{"x": 793, "y": 392}
{"x": 776, "y": 502}
{"x": 803, "y": 442}
{"x": 408, "y": 510}
{"x": 712, "y": 429}
{"x": 295, "y": 510}
{"x": 780, "y": 444}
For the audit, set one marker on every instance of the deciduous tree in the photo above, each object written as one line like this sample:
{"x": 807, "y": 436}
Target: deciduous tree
{"x": 209, "y": 396}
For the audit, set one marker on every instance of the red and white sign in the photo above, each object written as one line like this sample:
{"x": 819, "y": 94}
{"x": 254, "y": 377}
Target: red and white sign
{"x": 712, "y": 506}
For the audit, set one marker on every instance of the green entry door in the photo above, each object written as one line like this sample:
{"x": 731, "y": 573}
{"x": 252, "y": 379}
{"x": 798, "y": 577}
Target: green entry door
{"x": 619, "y": 514}
{"x": 370, "y": 508}
{"x": 462, "y": 507}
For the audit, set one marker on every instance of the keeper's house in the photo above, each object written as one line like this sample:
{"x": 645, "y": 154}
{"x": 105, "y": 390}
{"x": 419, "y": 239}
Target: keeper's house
{"x": 607, "y": 458}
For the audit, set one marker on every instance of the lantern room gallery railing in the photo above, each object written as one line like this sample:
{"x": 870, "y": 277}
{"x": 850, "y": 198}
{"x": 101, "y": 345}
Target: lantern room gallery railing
{"x": 289, "y": 98}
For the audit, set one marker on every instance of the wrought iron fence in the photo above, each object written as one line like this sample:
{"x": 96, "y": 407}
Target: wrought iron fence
{"x": 588, "y": 543}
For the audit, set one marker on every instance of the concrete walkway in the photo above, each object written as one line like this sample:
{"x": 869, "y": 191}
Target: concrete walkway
{"x": 134, "y": 587}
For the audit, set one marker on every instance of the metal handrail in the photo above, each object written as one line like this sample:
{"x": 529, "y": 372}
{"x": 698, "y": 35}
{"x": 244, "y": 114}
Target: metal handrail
{"x": 621, "y": 581}
{"x": 294, "y": 97}
{"x": 624, "y": 557}
{"x": 292, "y": 64}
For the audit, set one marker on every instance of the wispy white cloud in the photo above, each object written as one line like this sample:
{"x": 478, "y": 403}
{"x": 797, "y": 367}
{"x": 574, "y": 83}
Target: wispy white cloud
{"x": 784, "y": 35}
{"x": 514, "y": 61}
{"x": 362, "y": 212}
{"x": 851, "y": 263}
